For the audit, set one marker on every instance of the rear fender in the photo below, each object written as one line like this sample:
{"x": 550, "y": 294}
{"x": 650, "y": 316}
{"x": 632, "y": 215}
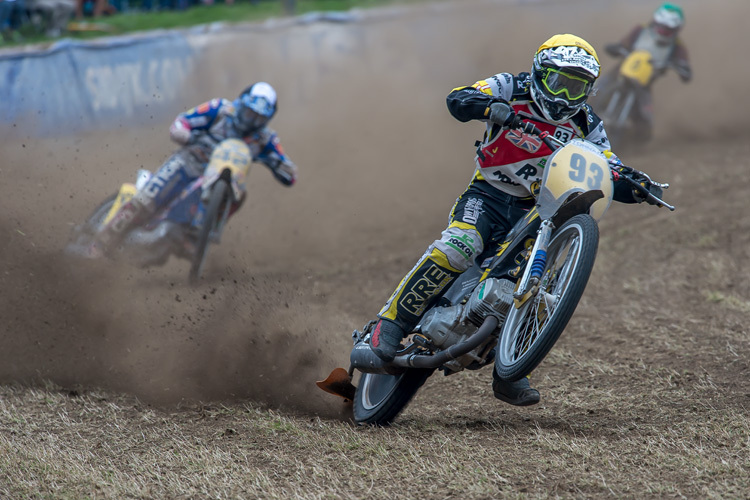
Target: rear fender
{"x": 126, "y": 193}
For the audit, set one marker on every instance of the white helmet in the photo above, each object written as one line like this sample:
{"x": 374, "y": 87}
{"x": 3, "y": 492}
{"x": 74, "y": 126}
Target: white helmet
{"x": 255, "y": 107}
{"x": 667, "y": 22}
{"x": 563, "y": 75}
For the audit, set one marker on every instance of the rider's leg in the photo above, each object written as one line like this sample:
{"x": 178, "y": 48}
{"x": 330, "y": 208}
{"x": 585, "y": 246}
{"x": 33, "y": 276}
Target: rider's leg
{"x": 477, "y": 217}
{"x": 460, "y": 243}
{"x": 419, "y": 289}
{"x": 518, "y": 393}
{"x": 166, "y": 183}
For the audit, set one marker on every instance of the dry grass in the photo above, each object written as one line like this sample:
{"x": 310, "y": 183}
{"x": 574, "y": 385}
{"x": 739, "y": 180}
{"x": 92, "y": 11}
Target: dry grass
{"x": 646, "y": 395}
{"x": 663, "y": 434}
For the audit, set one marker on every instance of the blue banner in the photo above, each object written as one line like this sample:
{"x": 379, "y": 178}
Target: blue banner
{"x": 75, "y": 86}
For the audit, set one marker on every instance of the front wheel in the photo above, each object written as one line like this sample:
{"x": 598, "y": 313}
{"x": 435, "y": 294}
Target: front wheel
{"x": 531, "y": 330}
{"x": 211, "y": 218}
{"x": 380, "y": 398}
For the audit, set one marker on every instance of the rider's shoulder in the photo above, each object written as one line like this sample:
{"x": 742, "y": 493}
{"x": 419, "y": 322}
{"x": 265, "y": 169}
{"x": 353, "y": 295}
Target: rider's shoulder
{"x": 224, "y": 106}
{"x": 214, "y": 106}
{"x": 587, "y": 119}
{"x": 521, "y": 84}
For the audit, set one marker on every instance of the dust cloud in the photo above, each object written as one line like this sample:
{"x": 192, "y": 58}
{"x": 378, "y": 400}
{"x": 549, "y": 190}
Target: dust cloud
{"x": 381, "y": 162}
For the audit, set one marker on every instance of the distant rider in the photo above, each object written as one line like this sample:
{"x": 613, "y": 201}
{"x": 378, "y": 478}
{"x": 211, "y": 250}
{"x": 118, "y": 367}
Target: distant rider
{"x": 509, "y": 168}
{"x": 660, "y": 39}
{"x": 198, "y": 131}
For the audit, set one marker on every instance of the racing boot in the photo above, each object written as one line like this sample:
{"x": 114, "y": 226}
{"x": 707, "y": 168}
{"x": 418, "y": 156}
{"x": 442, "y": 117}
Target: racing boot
{"x": 386, "y": 339}
{"x": 518, "y": 393}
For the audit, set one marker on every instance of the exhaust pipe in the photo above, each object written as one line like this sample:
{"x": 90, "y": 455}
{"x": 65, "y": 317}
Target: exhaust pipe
{"x": 363, "y": 359}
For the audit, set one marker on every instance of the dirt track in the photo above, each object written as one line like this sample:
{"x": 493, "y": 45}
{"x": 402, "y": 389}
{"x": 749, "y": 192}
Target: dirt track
{"x": 381, "y": 161}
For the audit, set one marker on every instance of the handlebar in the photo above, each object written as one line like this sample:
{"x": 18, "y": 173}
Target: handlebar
{"x": 623, "y": 171}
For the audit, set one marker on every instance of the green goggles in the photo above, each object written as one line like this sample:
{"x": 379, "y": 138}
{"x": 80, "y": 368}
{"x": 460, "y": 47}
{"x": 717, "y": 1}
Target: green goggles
{"x": 558, "y": 82}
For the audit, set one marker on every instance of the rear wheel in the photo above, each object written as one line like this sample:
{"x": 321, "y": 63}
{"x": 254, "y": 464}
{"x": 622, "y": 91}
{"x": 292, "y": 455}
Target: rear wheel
{"x": 380, "y": 398}
{"x": 530, "y": 331}
{"x": 97, "y": 217}
{"x": 83, "y": 234}
{"x": 213, "y": 213}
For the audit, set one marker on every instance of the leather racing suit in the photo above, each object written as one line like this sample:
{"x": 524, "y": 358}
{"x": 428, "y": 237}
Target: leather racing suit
{"x": 509, "y": 167}
{"x": 198, "y": 130}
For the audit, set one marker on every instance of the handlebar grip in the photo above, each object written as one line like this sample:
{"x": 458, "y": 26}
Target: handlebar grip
{"x": 519, "y": 123}
{"x": 527, "y": 127}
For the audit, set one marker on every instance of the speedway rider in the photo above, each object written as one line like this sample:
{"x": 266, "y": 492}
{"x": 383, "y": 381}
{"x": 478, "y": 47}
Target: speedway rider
{"x": 198, "y": 131}
{"x": 509, "y": 167}
{"x": 660, "y": 39}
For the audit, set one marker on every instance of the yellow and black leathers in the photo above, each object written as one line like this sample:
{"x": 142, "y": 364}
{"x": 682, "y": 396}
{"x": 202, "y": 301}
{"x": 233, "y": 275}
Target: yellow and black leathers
{"x": 480, "y": 217}
{"x": 509, "y": 168}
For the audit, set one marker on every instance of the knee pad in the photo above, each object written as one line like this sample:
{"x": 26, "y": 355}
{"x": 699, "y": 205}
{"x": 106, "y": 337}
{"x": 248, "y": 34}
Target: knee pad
{"x": 460, "y": 243}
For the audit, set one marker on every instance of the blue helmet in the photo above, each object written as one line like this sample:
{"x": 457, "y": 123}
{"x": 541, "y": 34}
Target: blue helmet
{"x": 255, "y": 107}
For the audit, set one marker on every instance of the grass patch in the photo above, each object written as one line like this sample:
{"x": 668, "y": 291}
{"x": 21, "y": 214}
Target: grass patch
{"x": 239, "y": 12}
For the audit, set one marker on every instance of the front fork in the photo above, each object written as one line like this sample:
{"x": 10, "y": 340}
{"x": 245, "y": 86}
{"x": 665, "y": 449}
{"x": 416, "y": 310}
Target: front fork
{"x": 537, "y": 261}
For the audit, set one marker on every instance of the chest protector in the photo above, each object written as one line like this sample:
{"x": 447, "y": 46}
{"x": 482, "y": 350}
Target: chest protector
{"x": 513, "y": 161}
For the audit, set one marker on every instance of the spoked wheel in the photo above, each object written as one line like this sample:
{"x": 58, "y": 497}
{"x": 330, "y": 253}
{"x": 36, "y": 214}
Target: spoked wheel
{"x": 530, "y": 331}
{"x": 380, "y": 398}
{"x": 213, "y": 213}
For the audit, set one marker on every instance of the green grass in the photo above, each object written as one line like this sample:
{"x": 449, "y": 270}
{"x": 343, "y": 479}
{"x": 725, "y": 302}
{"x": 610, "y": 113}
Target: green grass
{"x": 241, "y": 11}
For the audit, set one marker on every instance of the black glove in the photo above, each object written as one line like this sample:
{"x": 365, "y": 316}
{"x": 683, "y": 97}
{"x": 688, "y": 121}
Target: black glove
{"x": 283, "y": 172}
{"x": 501, "y": 113}
{"x": 684, "y": 71}
{"x": 283, "y": 177}
{"x": 655, "y": 190}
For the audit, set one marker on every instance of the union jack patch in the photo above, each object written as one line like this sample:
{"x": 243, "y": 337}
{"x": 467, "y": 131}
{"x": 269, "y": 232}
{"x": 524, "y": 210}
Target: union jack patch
{"x": 524, "y": 141}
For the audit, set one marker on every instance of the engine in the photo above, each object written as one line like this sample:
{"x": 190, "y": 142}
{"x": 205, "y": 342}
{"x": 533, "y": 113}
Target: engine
{"x": 446, "y": 326}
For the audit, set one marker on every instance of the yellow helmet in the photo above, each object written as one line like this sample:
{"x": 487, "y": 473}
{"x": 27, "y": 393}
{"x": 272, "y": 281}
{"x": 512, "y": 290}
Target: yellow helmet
{"x": 563, "y": 75}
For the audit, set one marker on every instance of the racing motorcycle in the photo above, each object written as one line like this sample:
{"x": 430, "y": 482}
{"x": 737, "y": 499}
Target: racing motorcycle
{"x": 188, "y": 224}
{"x": 508, "y": 310}
{"x": 620, "y": 102}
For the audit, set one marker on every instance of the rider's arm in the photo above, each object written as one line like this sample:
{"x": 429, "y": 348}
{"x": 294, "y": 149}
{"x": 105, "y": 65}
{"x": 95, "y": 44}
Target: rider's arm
{"x": 198, "y": 119}
{"x": 272, "y": 156}
{"x": 473, "y": 102}
{"x": 624, "y": 46}
{"x": 680, "y": 62}
{"x": 623, "y": 191}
